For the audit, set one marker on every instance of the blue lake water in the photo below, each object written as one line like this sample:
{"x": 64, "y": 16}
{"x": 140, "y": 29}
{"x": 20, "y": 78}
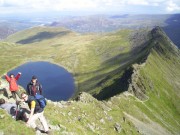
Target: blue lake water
{"x": 58, "y": 84}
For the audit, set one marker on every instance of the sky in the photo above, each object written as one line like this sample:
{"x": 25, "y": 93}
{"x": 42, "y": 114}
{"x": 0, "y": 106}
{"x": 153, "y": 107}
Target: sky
{"x": 90, "y": 6}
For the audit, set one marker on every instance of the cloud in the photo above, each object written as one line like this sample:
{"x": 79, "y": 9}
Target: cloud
{"x": 172, "y": 6}
{"x": 138, "y": 2}
{"x": 74, "y": 5}
{"x": 48, "y": 4}
{"x": 88, "y": 5}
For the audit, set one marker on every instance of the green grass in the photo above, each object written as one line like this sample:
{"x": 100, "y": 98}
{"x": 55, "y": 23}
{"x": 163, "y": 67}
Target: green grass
{"x": 10, "y": 126}
{"x": 159, "y": 77}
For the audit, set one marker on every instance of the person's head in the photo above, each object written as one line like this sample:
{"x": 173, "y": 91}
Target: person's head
{"x": 34, "y": 79}
{"x": 11, "y": 75}
{"x": 2, "y": 101}
{"x": 24, "y": 96}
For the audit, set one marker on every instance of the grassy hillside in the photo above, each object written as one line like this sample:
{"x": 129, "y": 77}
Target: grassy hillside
{"x": 149, "y": 64}
{"x": 158, "y": 82}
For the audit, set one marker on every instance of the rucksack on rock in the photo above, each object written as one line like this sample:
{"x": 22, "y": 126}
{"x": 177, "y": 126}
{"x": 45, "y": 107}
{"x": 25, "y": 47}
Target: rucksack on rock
{"x": 41, "y": 100}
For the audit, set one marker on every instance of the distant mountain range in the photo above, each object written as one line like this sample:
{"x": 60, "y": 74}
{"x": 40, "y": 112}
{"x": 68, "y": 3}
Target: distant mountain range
{"x": 101, "y": 24}
{"x": 98, "y": 24}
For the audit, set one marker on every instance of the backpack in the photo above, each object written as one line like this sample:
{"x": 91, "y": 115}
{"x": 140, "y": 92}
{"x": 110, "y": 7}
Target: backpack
{"x": 41, "y": 100}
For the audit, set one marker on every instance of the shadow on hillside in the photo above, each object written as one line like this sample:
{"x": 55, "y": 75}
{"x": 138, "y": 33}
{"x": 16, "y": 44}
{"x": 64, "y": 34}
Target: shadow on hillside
{"x": 42, "y": 36}
{"x": 119, "y": 85}
{"x": 119, "y": 77}
{"x": 101, "y": 77}
{"x": 120, "y": 59}
{"x": 173, "y": 29}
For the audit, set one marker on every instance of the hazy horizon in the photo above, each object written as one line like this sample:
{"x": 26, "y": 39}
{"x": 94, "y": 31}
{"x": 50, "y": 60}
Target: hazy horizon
{"x": 40, "y": 8}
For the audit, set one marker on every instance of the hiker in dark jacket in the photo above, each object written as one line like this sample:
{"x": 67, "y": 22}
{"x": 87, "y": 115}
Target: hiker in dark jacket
{"x": 34, "y": 87}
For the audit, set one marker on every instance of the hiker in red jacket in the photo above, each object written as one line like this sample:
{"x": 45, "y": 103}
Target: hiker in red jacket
{"x": 13, "y": 86}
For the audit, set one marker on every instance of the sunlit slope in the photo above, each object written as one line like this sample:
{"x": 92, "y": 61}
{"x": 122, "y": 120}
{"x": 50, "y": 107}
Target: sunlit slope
{"x": 163, "y": 63}
{"x": 157, "y": 83}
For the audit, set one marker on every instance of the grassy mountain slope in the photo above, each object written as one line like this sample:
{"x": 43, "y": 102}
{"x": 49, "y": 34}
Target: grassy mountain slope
{"x": 158, "y": 79}
{"x": 150, "y": 104}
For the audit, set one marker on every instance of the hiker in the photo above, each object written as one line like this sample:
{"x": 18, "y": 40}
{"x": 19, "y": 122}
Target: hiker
{"x": 36, "y": 112}
{"x": 34, "y": 87}
{"x": 14, "y": 110}
{"x": 13, "y": 86}
{"x": 3, "y": 91}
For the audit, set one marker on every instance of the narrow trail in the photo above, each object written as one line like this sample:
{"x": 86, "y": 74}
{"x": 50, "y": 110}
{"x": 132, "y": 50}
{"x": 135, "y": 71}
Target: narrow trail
{"x": 150, "y": 128}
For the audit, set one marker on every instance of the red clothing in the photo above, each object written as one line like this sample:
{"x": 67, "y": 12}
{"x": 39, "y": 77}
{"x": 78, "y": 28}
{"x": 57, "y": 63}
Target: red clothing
{"x": 13, "y": 82}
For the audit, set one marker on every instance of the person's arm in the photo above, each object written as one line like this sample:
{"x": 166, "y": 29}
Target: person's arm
{"x": 40, "y": 89}
{"x": 33, "y": 104}
{"x": 28, "y": 89}
{"x": 18, "y": 75}
{"x": 7, "y": 78}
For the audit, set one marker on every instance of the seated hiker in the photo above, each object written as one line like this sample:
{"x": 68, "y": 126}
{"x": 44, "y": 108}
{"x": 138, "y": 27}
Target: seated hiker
{"x": 34, "y": 87}
{"x": 37, "y": 112}
{"x": 14, "y": 110}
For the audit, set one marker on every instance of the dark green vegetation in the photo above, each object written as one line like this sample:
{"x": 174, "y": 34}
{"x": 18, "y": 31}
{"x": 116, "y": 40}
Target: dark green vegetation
{"x": 136, "y": 72}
